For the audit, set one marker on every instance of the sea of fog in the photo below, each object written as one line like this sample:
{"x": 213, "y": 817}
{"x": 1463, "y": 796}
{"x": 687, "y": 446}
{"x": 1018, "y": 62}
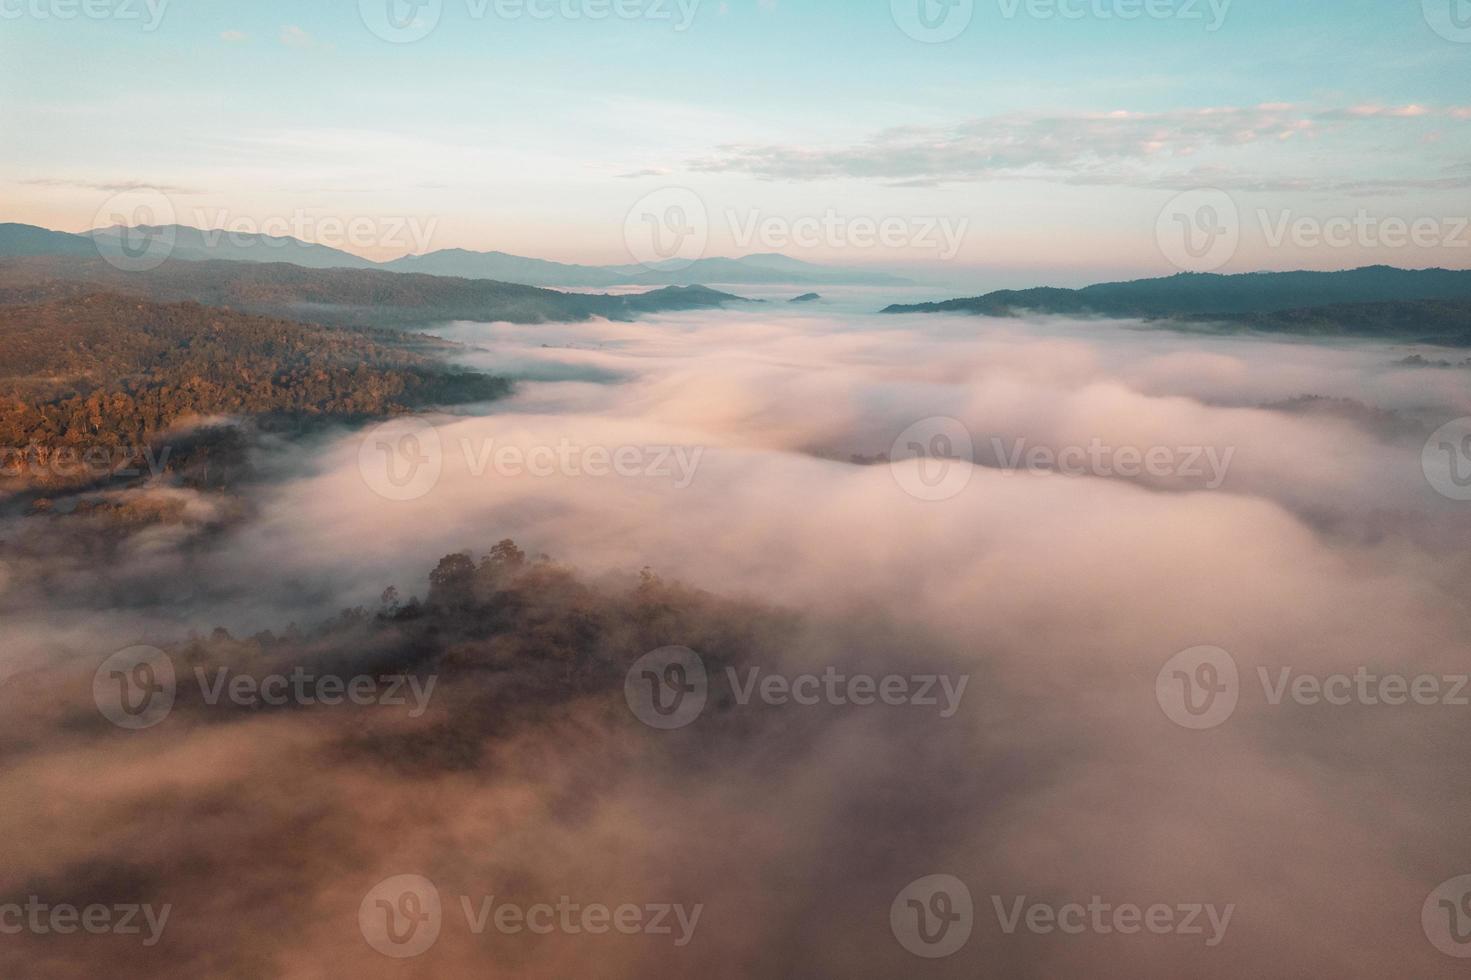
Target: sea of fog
{"x": 1050, "y": 508}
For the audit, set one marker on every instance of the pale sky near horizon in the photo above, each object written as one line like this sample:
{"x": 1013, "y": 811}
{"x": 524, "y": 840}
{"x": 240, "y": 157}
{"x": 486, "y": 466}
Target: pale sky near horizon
{"x": 1046, "y": 137}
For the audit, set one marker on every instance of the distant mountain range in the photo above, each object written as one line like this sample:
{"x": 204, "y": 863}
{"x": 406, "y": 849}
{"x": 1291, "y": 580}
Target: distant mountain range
{"x": 194, "y": 245}
{"x": 364, "y": 298}
{"x": 1427, "y": 305}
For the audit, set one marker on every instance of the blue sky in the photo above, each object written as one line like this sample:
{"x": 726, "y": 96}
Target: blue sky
{"x": 1054, "y": 134}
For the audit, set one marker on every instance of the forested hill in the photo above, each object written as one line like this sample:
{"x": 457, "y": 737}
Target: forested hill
{"x": 108, "y": 372}
{"x": 1426, "y": 305}
{"x": 346, "y": 297}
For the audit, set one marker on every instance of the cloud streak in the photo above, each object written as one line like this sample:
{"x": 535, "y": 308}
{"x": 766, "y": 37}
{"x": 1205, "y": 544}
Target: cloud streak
{"x": 1096, "y": 148}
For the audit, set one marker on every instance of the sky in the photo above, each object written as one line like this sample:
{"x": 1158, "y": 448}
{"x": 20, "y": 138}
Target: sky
{"x": 1046, "y": 141}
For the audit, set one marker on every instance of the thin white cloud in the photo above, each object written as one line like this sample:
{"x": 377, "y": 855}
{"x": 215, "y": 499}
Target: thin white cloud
{"x": 294, "y": 37}
{"x": 1104, "y": 148}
